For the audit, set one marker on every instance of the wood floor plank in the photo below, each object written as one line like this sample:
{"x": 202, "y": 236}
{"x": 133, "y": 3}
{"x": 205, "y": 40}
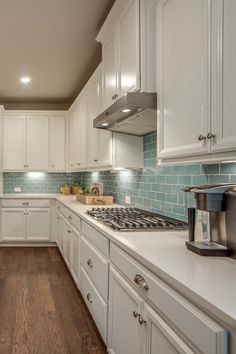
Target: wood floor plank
{"x": 41, "y": 310}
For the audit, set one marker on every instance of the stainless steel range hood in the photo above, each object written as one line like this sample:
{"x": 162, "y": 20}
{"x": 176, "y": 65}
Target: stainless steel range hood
{"x": 135, "y": 114}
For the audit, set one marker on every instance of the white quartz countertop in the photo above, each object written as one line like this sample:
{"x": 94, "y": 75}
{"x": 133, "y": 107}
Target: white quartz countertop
{"x": 209, "y": 282}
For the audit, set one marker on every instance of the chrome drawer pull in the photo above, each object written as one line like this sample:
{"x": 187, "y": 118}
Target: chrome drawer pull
{"x": 201, "y": 137}
{"x": 90, "y": 263}
{"x": 141, "y": 282}
{"x": 89, "y": 298}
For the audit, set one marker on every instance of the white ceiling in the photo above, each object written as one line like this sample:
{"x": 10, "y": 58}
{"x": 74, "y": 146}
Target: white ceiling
{"x": 53, "y": 42}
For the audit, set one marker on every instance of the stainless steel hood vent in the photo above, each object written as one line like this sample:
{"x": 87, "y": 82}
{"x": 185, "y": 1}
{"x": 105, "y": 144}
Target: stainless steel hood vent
{"x": 135, "y": 114}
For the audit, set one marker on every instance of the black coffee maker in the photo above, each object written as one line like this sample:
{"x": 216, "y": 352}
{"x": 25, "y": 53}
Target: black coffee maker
{"x": 218, "y": 203}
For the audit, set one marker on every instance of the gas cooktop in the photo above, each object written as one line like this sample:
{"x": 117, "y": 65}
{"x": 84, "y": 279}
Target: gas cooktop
{"x": 132, "y": 219}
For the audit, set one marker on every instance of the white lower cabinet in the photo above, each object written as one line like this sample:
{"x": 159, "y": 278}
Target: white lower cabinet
{"x": 38, "y": 225}
{"x": 75, "y": 252}
{"x": 95, "y": 303}
{"x": 158, "y": 337}
{"x": 134, "y": 327}
{"x": 166, "y": 325}
{"x": 67, "y": 244}
{"x": 94, "y": 275}
{"x": 13, "y": 224}
{"x": 25, "y": 224}
{"x": 124, "y": 330}
{"x": 59, "y": 231}
{"x": 68, "y": 239}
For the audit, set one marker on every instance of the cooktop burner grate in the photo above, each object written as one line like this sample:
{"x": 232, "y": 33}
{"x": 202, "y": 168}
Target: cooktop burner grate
{"x": 132, "y": 219}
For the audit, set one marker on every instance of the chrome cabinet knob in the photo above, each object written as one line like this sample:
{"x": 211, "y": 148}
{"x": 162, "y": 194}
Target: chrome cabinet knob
{"x": 115, "y": 96}
{"x": 141, "y": 282}
{"x": 201, "y": 137}
{"x": 90, "y": 263}
{"x": 211, "y": 136}
{"x": 89, "y": 298}
{"x": 141, "y": 320}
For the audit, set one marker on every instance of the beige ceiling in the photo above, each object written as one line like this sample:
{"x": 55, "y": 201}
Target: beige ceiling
{"x": 53, "y": 42}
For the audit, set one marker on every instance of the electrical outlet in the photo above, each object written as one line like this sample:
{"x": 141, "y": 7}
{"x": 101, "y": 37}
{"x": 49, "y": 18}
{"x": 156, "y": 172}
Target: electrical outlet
{"x": 127, "y": 199}
{"x": 17, "y": 189}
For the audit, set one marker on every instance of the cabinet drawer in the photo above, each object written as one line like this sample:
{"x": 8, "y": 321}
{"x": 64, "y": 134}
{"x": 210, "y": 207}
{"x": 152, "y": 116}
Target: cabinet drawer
{"x": 73, "y": 219}
{"x": 100, "y": 241}
{"x": 204, "y": 333}
{"x": 96, "y": 267}
{"x": 26, "y": 203}
{"x": 61, "y": 209}
{"x": 95, "y": 303}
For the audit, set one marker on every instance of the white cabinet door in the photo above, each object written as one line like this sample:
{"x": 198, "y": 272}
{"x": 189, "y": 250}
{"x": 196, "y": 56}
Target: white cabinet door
{"x": 109, "y": 57}
{"x": 13, "y": 224}
{"x": 67, "y": 244}
{"x": 77, "y": 134}
{"x": 73, "y": 141}
{"x": 129, "y": 53}
{"x": 159, "y": 338}
{"x": 75, "y": 255}
{"x": 183, "y": 77}
{"x": 37, "y": 143}
{"x": 124, "y": 330}
{"x": 57, "y": 143}
{"x": 224, "y": 76}
{"x": 98, "y": 141}
{"x": 38, "y": 224}
{"x": 93, "y": 108}
{"x": 60, "y": 232}
{"x": 14, "y": 143}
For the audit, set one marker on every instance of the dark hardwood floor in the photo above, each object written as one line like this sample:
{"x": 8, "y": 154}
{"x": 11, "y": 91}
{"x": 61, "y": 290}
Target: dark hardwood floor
{"x": 41, "y": 310}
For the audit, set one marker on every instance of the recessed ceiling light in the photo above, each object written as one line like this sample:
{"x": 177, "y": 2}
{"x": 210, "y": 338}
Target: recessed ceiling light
{"x": 25, "y": 79}
{"x": 126, "y": 110}
{"x": 104, "y": 124}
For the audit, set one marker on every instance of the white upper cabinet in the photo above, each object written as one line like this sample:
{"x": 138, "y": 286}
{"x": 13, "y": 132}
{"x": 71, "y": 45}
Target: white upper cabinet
{"x": 99, "y": 142}
{"x": 128, "y": 49}
{"x": 128, "y": 54}
{"x": 37, "y": 143}
{"x": 110, "y": 92}
{"x": 77, "y": 123}
{"x": 57, "y": 143}
{"x": 14, "y": 143}
{"x": 196, "y": 55}
{"x": 224, "y": 76}
{"x": 32, "y": 139}
{"x": 183, "y": 77}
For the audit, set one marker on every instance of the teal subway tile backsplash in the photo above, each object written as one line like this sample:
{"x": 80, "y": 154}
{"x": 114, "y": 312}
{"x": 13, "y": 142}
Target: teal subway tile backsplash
{"x": 158, "y": 188}
{"x": 155, "y": 188}
{"x": 36, "y": 182}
